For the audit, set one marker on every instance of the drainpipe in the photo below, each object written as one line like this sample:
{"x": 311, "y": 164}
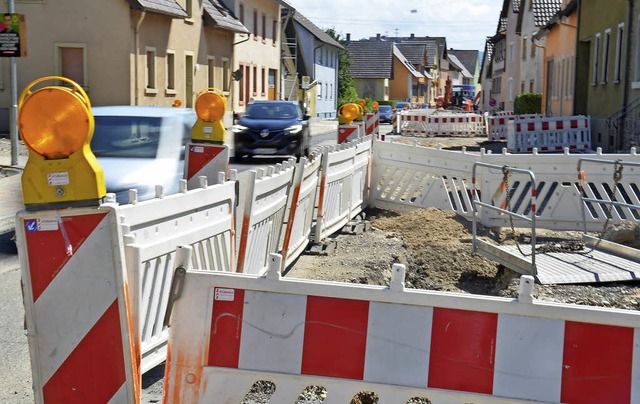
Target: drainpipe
{"x": 137, "y": 59}
{"x": 627, "y": 78}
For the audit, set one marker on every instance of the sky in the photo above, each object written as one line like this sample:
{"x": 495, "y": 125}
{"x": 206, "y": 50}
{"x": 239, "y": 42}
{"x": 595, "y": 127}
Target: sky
{"x": 465, "y": 24}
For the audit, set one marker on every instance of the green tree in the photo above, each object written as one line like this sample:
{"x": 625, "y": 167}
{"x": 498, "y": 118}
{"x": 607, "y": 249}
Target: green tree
{"x": 528, "y": 103}
{"x": 346, "y": 89}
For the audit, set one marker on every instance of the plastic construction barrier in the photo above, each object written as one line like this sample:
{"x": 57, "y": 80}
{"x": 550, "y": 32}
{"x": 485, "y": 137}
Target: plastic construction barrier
{"x": 550, "y": 134}
{"x": 229, "y": 331}
{"x": 204, "y": 159}
{"x": 202, "y": 218}
{"x": 301, "y": 209}
{"x": 502, "y": 122}
{"x": 78, "y": 312}
{"x": 427, "y": 123}
{"x": 406, "y": 177}
{"x": 372, "y": 123}
{"x": 335, "y": 191}
{"x": 264, "y": 215}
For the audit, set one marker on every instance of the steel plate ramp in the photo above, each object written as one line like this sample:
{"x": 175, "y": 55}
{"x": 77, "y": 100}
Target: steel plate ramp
{"x": 609, "y": 262}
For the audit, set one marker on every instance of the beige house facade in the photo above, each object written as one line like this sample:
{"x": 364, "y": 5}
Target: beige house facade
{"x": 142, "y": 52}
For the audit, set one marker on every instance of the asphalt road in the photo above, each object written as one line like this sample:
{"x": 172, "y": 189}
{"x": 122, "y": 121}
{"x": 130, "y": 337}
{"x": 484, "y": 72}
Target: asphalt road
{"x": 15, "y": 369}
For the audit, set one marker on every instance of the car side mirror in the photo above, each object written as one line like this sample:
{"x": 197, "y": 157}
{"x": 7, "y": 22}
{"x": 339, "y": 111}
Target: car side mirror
{"x": 306, "y": 117}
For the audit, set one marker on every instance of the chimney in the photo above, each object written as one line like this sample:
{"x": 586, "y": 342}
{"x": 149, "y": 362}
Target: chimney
{"x": 348, "y": 37}
{"x": 413, "y": 35}
{"x": 378, "y": 37}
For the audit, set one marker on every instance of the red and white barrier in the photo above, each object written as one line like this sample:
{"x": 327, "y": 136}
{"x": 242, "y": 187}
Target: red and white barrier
{"x": 372, "y": 123}
{"x": 349, "y": 132}
{"x": 502, "y": 122}
{"x": 202, "y": 159}
{"x": 78, "y": 313}
{"x": 397, "y": 343}
{"x": 419, "y": 122}
{"x": 550, "y": 134}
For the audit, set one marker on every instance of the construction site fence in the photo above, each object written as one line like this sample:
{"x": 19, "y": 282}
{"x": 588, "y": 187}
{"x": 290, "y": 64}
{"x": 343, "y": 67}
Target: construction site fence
{"x": 422, "y": 122}
{"x": 502, "y": 122}
{"x": 550, "y": 134}
{"x": 406, "y": 177}
{"x": 230, "y": 333}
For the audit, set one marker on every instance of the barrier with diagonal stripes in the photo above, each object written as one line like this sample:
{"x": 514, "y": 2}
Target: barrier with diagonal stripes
{"x": 78, "y": 312}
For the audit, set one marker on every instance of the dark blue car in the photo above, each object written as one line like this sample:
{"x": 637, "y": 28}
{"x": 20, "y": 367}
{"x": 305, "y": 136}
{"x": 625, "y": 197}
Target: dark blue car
{"x": 386, "y": 113}
{"x": 272, "y": 128}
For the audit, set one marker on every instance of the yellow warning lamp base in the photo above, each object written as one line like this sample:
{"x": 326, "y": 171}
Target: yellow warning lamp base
{"x": 211, "y": 105}
{"x": 56, "y": 125}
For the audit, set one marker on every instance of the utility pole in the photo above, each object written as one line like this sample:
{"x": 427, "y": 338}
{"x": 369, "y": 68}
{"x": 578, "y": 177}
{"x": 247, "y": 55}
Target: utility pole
{"x": 13, "y": 113}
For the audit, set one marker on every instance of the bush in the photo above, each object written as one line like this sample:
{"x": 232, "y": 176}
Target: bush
{"x": 528, "y": 103}
{"x": 350, "y": 96}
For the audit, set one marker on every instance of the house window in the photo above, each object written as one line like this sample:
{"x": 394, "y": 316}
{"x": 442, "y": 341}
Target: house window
{"x": 255, "y": 80}
{"x": 241, "y": 13}
{"x": 71, "y": 62}
{"x": 596, "y": 56}
{"x": 511, "y": 50}
{"x": 531, "y": 85}
{"x": 618, "y": 65}
{"x": 524, "y": 47}
{"x": 151, "y": 70}
{"x": 510, "y": 89}
{"x": 255, "y": 24}
{"x": 226, "y": 75}
{"x": 275, "y": 31}
{"x": 319, "y": 87}
{"x": 522, "y": 84}
{"x": 264, "y": 27}
{"x": 605, "y": 55}
{"x": 171, "y": 72}
{"x": 264, "y": 81}
{"x": 565, "y": 77}
{"x": 533, "y": 48}
{"x": 211, "y": 66}
{"x": 326, "y": 91}
{"x": 242, "y": 85}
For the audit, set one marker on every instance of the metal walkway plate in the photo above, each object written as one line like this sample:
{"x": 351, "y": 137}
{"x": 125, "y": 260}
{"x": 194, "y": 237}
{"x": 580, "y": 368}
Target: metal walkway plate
{"x": 596, "y": 266}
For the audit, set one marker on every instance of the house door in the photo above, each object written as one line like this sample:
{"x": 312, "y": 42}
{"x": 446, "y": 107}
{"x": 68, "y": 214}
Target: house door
{"x": 272, "y": 84}
{"x": 550, "y": 76}
{"x": 188, "y": 80}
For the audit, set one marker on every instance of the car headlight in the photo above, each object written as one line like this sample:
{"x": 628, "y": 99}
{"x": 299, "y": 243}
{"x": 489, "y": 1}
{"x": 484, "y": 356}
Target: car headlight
{"x": 238, "y": 128}
{"x": 294, "y": 129}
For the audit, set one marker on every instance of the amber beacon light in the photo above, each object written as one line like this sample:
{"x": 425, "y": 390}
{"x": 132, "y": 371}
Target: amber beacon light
{"x": 347, "y": 113}
{"x": 211, "y": 105}
{"x": 56, "y": 125}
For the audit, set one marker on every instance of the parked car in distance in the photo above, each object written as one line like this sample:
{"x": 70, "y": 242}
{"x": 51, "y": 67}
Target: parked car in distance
{"x": 386, "y": 113}
{"x": 403, "y": 105}
{"x": 140, "y": 147}
{"x": 271, "y": 128}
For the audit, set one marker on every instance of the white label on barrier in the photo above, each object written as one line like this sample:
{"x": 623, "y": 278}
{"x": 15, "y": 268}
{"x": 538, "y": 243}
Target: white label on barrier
{"x": 224, "y": 294}
{"x": 197, "y": 149}
{"x": 208, "y": 129}
{"x": 60, "y": 178}
{"x": 47, "y": 224}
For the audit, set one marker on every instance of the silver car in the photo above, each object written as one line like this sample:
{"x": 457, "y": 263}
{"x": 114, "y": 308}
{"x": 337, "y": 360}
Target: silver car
{"x": 140, "y": 147}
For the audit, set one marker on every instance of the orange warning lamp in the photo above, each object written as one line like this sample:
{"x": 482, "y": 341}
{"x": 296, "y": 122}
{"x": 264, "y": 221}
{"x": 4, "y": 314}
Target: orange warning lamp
{"x": 211, "y": 105}
{"x": 360, "y": 110}
{"x": 347, "y": 113}
{"x": 374, "y": 105}
{"x": 56, "y": 124}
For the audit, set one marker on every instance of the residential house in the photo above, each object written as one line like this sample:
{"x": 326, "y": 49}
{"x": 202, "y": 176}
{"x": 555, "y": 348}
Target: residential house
{"x": 485, "y": 77}
{"x": 497, "y": 98}
{"x": 467, "y": 63}
{"x": 310, "y": 53}
{"x": 511, "y": 78}
{"x": 257, "y": 55}
{"x": 380, "y": 71}
{"x": 532, "y": 17}
{"x": 601, "y": 67}
{"x": 135, "y": 52}
{"x": 560, "y": 38}
{"x": 432, "y": 71}
{"x": 416, "y": 53}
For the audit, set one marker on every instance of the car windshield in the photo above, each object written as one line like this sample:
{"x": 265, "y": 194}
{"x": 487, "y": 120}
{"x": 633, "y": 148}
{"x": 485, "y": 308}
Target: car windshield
{"x": 271, "y": 111}
{"x": 130, "y": 136}
{"x": 384, "y": 108}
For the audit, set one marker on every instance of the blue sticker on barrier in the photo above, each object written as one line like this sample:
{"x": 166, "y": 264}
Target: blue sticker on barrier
{"x": 31, "y": 225}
